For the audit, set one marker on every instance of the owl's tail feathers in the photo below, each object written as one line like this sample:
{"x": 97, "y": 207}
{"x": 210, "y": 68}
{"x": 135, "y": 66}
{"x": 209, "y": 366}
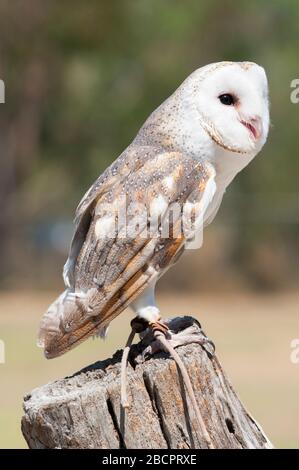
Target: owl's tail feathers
{"x": 51, "y": 323}
{"x": 56, "y": 331}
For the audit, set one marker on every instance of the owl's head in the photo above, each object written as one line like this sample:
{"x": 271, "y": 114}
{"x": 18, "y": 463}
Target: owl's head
{"x": 232, "y": 101}
{"x": 219, "y": 106}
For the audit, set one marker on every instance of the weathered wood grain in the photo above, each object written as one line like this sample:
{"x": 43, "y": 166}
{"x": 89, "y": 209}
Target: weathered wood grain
{"x": 83, "y": 411}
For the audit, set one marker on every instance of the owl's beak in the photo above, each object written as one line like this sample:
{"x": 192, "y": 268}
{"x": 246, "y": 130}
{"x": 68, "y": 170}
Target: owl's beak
{"x": 254, "y": 125}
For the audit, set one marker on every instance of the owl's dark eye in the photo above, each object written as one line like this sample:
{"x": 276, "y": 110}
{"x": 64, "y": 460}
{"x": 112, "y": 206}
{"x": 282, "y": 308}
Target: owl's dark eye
{"x": 227, "y": 99}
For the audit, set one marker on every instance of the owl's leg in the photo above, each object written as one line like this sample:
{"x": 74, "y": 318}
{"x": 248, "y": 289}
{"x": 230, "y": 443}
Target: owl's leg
{"x": 145, "y": 306}
{"x": 148, "y": 314}
{"x": 146, "y": 310}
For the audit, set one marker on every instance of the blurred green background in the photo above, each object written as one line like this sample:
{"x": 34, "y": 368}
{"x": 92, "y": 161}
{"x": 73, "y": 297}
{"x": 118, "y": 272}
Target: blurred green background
{"x": 81, "y": 78}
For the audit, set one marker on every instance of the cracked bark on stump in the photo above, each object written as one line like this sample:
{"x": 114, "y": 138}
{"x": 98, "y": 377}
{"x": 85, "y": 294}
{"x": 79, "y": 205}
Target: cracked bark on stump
{"x": 83, "y": 411}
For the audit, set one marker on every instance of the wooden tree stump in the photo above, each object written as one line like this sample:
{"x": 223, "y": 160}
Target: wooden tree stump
{"x": 84, "y": 411}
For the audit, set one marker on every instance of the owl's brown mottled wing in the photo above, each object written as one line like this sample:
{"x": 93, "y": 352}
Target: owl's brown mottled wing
{"x": 131, "y": 160}
{"x": 107, "y": 267}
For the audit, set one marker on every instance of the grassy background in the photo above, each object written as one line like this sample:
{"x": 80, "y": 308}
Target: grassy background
{"x": 252, "y": 335}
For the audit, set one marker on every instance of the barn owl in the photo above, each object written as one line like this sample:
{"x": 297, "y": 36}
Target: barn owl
{"x": 187, "y": 152}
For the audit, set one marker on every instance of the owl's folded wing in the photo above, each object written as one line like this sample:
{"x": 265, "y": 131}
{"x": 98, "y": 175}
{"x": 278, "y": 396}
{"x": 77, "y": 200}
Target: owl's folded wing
{"x": 120, "y": 244}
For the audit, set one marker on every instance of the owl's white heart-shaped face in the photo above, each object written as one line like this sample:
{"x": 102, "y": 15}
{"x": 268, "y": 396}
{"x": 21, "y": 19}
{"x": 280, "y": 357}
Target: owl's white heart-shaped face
{"x": 232, "y": 101}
